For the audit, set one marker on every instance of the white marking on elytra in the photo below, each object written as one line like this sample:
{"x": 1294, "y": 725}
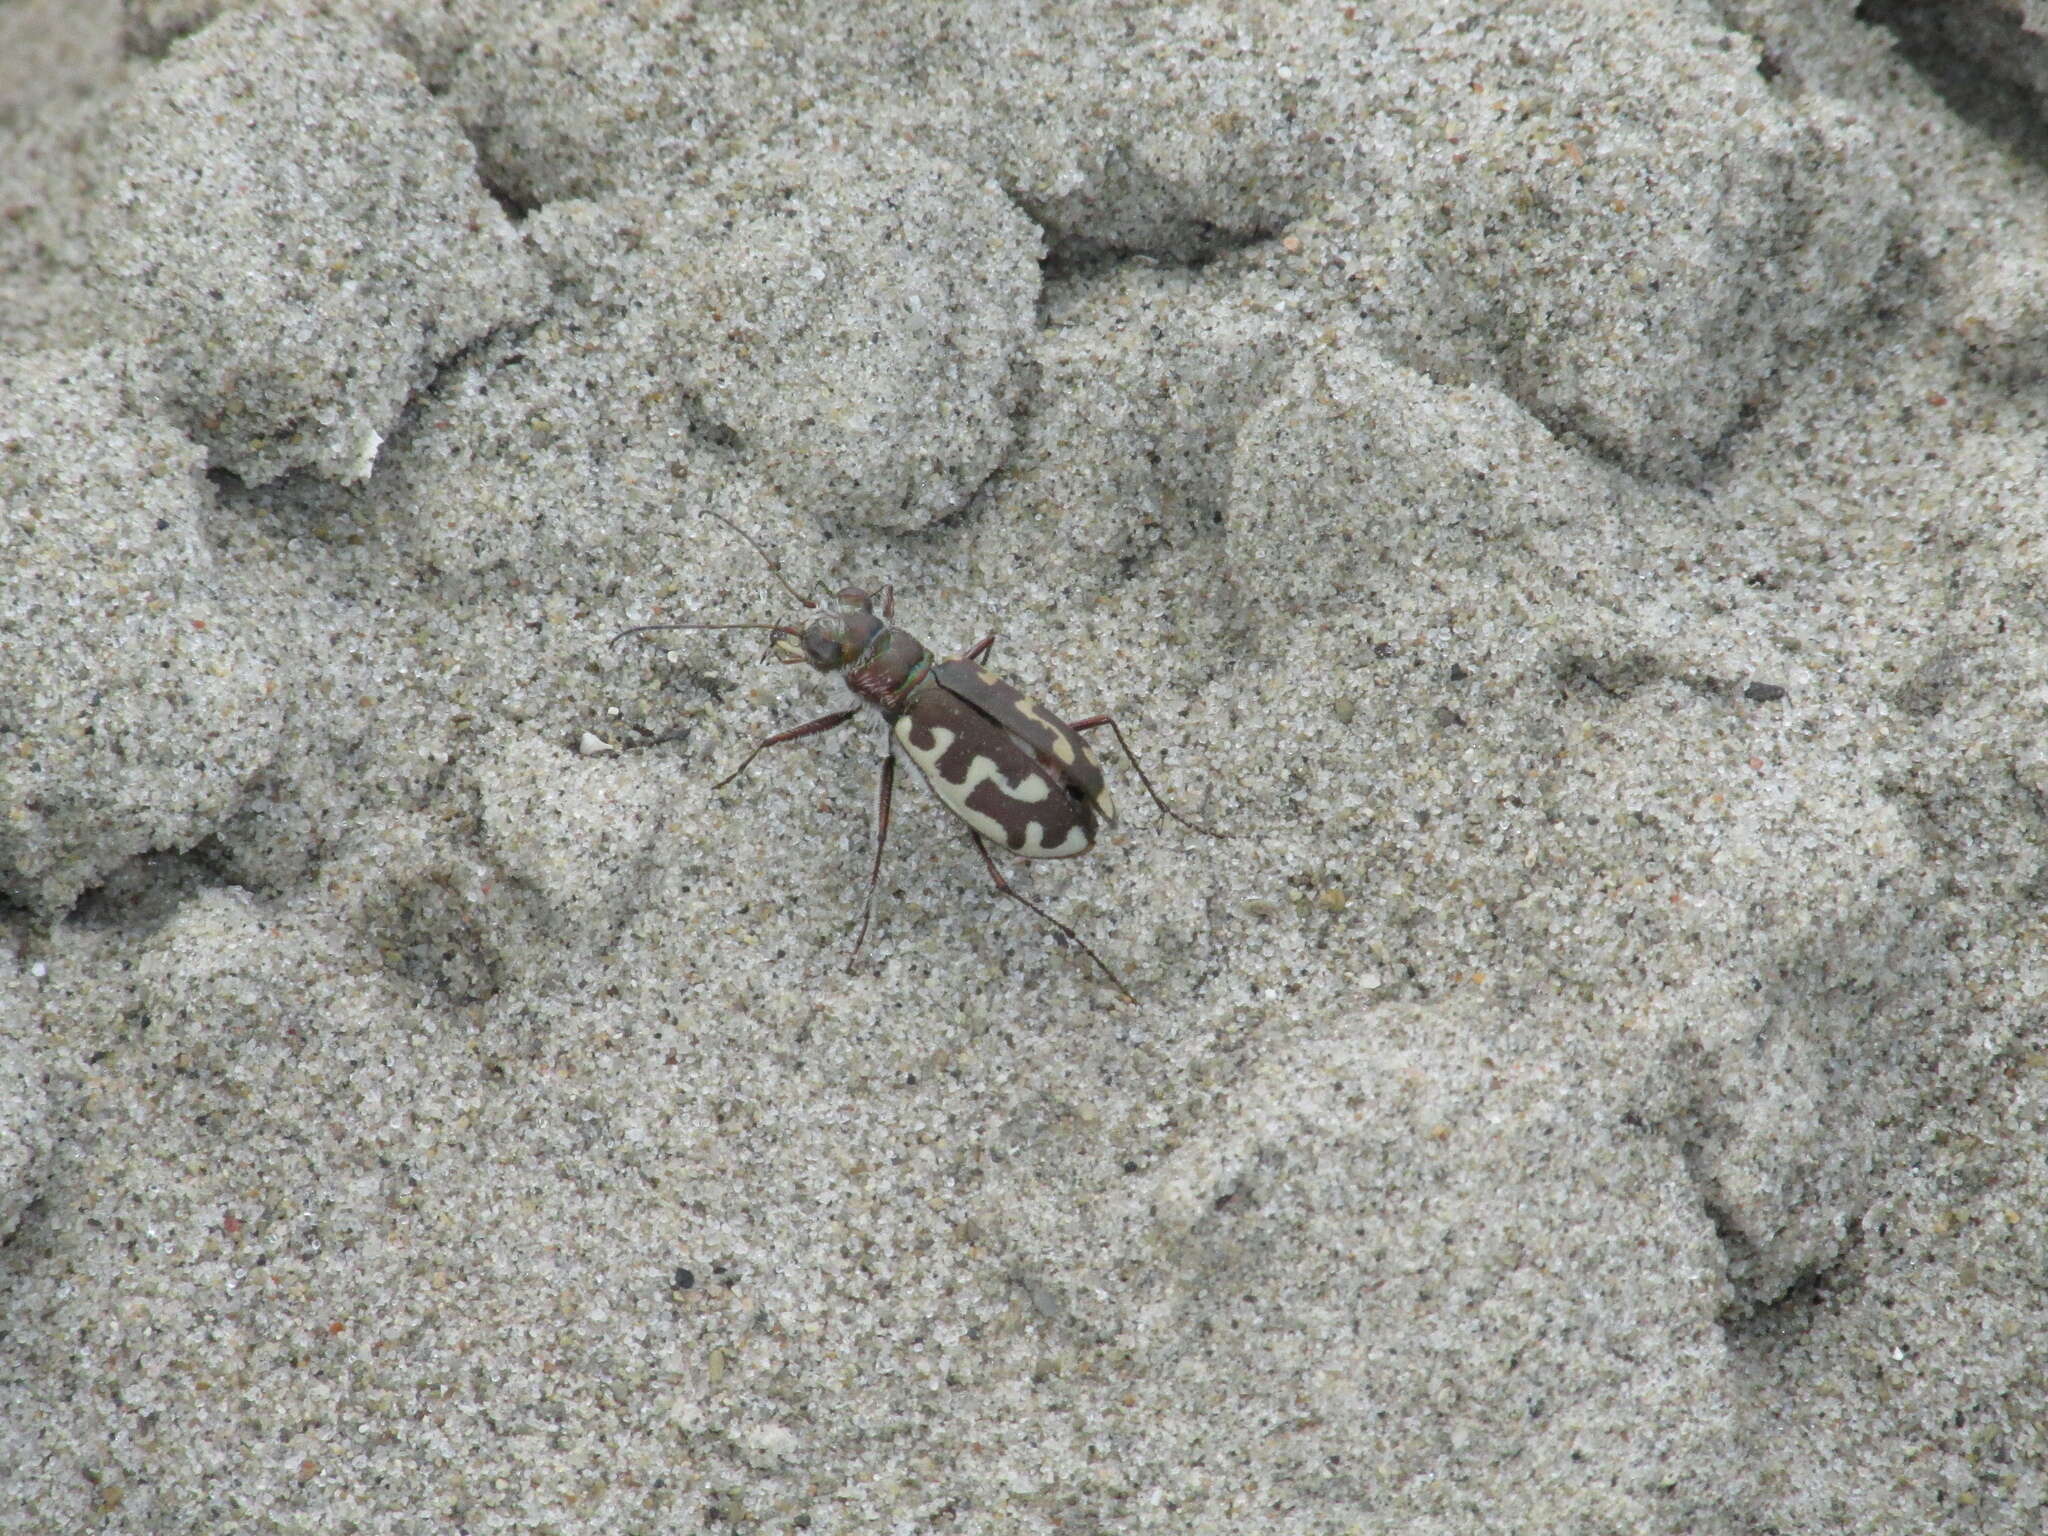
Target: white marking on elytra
{"x": 1076, "y": 841}
{"x": 1062, "y": 739}
{"x": 1029, "y": 789}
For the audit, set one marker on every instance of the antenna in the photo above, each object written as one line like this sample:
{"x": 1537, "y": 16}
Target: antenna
{"x": 648, "y": 629}
{"x": 774, "y": 565}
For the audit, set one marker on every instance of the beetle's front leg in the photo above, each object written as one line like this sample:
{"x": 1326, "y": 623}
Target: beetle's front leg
{"x": 816, "y": 727}
{"x": 881, "y": 839}
{"x": 979, "y": 650}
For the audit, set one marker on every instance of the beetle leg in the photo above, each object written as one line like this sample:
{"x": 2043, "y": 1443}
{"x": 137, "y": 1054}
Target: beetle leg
{"x": 979, "y": 650}
{"x": 881, "y": 839}
{"x": 1157, "y": 799}
{"x": 888, "y": 600}
{"x": 796, "y": 733}
{"x": 981, "y": 847}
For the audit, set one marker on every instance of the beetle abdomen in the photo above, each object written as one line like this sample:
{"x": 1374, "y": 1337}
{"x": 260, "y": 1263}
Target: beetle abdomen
{"x": 1048, "y": 737}
{"x": 994, "y": 781}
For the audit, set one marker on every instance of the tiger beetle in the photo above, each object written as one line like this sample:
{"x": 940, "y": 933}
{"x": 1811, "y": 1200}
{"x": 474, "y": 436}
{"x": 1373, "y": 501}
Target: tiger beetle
{"x": 1001, "y": 762}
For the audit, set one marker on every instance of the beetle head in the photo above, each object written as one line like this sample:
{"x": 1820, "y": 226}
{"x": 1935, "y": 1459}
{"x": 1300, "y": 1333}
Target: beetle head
{"x": 833, "y": 641}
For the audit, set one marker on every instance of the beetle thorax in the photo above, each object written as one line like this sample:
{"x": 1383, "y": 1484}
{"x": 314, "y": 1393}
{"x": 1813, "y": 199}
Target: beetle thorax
{"x": 891, "y": 672}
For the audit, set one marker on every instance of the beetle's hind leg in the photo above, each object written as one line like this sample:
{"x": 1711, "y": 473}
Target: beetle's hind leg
{"x": 981, "y": 847}
{"x": 1143, "y": 778}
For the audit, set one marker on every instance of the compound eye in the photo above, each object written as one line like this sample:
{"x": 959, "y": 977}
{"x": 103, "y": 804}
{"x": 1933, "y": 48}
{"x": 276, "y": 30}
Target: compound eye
{"x": 825, "y": 644}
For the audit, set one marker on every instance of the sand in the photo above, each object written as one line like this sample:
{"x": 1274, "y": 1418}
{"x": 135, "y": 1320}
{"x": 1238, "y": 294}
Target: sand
{"x": 1562, "y": 486}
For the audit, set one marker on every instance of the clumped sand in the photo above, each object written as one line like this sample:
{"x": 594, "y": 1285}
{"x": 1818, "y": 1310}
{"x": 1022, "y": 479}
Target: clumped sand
{"x": 1562, "y": 484}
